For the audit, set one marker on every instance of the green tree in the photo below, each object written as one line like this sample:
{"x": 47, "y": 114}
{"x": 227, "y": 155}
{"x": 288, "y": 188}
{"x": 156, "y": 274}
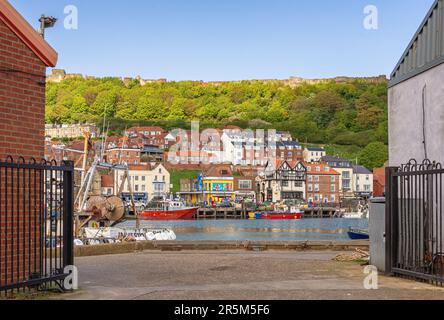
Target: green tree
{"x": 374, "y": 155}
{"x": 105, "y": 103}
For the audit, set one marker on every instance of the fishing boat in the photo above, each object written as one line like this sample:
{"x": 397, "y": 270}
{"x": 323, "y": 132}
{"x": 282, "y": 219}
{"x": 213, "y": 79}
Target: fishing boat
{"x": 282, "y": 216}
{"x": 169, "y": 210}
{"x": 358, "y": 234}
{"x": 292, "y": 213}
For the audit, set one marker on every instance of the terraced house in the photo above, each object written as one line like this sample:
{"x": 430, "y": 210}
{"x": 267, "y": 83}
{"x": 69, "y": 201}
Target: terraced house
{"x": 345, "y": 169}
{"x": 322, "y": 184}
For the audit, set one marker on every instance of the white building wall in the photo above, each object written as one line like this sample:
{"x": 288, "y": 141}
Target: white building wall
{"x": 362, "y": 183}
{"x": 144, "y": 181}
{"x": 406, "y": 118}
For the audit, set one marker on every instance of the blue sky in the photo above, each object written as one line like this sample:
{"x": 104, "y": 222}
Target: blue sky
{"x": 229, "y": 39}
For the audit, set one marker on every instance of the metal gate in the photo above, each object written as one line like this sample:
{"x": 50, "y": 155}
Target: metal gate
{"x": 415, "y": 221}
{"x": 36, "y": 223}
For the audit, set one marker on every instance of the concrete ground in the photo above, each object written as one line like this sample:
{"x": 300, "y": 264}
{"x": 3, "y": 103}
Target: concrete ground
{"x": 235, "y": 275}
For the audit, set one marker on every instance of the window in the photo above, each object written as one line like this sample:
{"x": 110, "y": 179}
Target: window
{"x": 333, "y": 188}
{"x": 285, "y": 183}
{"x": 333, "y": 198}
{"x": 310, "y": 178}
{"x": 367, "y": 178}
{"x": 333, "y": 179}
{"x": 136, "y": 178}
{"x": 318, "y": 169}
{"x": 245, "y": 184}
{"x": 310, "y": 187}
{"x": 143, "y": 188}
{"x": 298, "y": 184}
{"x": 136, "y": 188}
{"x": 316, "y": 187}
{"x": 367, "y": 187}
{"x": 346, "y": 175}
{"x": 316, "y": 178}
{"x": 143, "y": 178}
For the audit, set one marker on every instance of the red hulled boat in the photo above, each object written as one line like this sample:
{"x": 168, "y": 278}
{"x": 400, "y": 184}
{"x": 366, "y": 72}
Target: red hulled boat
{"x": 291, "y": 214}
{"x": 282, "y": 216}
{"x": 170, "y": 210}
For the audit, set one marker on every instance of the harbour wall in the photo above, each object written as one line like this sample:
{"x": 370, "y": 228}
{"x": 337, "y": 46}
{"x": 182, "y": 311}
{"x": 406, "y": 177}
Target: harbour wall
{"x": 165, "y": 246}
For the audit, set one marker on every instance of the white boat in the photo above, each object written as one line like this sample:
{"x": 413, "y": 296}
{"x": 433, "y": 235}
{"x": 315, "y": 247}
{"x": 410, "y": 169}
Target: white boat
{"x": 363, "y": 213}
{"x": 354, "y": 215}
{"x": 92, "y": 236}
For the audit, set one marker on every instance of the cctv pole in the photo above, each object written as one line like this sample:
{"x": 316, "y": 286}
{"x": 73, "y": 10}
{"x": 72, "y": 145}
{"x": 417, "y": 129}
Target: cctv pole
{"x": 42, "y": 26}
{"x": 46, "y": 22}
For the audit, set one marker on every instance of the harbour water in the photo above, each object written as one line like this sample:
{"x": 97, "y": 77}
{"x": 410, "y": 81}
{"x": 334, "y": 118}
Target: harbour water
{"x": 257, "y": 230}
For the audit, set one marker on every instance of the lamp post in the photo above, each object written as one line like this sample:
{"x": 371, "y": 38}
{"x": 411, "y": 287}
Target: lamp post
{"x": 46, "y": 22}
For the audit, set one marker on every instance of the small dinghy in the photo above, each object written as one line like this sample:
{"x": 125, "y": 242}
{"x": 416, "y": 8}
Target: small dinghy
{"x": 358, "y": 234}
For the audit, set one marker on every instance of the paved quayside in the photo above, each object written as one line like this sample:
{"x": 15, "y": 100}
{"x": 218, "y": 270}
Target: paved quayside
{"x": 235, "y": 275}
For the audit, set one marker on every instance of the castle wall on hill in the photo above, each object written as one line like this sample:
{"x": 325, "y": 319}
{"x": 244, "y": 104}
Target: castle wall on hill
{"x": 58, "y": 75}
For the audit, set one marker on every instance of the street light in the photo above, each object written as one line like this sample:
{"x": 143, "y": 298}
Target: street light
{"x": 46, "y": 22}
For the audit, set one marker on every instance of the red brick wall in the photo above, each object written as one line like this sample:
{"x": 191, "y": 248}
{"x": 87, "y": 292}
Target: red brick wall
{"x": 325, "y": 184}
{"x": 22, "y": 99}
{"x": 22, "y": 114}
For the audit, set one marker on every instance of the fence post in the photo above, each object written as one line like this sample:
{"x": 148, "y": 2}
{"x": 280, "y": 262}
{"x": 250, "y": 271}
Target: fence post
{"x": 68, "y": 214}
{"x": 391, "y": 217}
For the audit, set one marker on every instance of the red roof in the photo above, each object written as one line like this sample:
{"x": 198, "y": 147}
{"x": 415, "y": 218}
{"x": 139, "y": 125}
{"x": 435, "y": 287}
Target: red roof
{"x": 221, "y": 170}
{"x": 25, "y": 32}
{"x": 140, "y": 167}
{"x": 322, "y": 167}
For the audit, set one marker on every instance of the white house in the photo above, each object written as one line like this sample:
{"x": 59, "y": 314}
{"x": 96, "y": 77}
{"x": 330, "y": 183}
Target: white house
{"x": 312, "y": 155}
{"x": 154, "y": 181}
{"x": 362, "y": 182}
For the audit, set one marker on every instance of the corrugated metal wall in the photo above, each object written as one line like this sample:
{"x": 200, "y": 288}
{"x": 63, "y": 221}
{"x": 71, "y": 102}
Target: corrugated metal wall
{"x": 426, "y": 50}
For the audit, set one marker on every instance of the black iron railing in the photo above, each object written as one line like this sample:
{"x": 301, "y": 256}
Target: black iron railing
{"x": 36, "y": 223}
{"x": 415, "y": 221}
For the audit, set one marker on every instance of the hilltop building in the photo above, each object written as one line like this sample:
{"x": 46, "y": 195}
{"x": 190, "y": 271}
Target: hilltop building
{"x": 71, "y": 131}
